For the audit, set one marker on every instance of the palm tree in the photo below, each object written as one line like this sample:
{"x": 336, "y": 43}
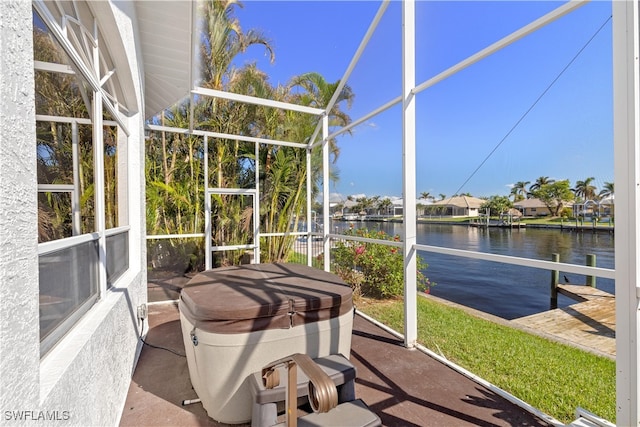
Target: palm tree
{"x": 318, "y": 92}
{"x": 311, "y": 89}
{"x": 223, "y": 40}
{"x": 364, "y": 203}
{"x": 606, "y": 196}
{"x": 543, "y": 180}
{"x": 585, "y": 189}
{"x": 607, "y": 190}
{"x": 232, "y": 163}
{"x": 283, "y": 200}
{"x": 384, "y": 205}
{"x": 519, "y": 190}
{"x": 175, "y": 162}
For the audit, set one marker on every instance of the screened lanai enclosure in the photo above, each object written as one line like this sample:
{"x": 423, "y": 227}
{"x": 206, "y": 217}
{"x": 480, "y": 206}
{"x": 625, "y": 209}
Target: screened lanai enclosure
{"x": 244, "y": 207}
{"x": 238, "y": 171}
{"x": 255, "y": 191}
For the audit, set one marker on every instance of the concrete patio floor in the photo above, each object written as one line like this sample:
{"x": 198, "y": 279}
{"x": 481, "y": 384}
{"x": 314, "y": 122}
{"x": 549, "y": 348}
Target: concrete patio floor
{"x": 404, "y": 387}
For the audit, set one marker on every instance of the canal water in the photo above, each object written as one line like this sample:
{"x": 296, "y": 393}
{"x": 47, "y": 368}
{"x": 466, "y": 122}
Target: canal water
{"x": 503, "y": 290}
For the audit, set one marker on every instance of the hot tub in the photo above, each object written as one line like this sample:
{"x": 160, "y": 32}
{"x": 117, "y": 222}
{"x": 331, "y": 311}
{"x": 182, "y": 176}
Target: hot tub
{"x": 237, "y": 319}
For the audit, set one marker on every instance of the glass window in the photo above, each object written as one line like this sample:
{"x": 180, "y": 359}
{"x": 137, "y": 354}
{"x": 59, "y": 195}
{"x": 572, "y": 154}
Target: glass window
{"x": 58, "y": 90}
{"x": 67, "y": 175}
{"x": 68, "y": 281}
{"x": 110, "y": 141}
{"x": 65, "y": 180}
{"x": 54, "y": 216}
{"x": 54, "y": 150}
{"x": 117, "y": 256}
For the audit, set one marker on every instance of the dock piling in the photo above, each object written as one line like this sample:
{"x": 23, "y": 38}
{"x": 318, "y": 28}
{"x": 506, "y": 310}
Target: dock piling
{"x": 591, "y": 262}
{"x": 555, "y": 276}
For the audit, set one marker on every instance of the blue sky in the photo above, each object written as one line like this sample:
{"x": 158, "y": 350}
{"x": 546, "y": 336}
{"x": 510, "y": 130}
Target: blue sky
{"x": 567, "y": 134}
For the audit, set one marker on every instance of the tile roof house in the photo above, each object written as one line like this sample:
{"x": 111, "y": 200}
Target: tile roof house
{"x": 535, "y": 207}
{"x": 458, "y": 206}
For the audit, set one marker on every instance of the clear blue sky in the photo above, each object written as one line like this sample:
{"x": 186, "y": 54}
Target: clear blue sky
{"x": 568, "y": 134}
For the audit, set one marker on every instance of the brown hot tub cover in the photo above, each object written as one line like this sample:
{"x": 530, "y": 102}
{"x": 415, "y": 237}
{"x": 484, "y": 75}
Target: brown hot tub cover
{"x": 256, "y": 297}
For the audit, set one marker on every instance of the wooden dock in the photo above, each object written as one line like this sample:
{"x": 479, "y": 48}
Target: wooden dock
{"x": 589, "y": 324}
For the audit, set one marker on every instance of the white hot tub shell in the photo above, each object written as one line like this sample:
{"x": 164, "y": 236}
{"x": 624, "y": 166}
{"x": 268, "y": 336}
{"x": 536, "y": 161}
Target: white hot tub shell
{"x": 237, "y": 319}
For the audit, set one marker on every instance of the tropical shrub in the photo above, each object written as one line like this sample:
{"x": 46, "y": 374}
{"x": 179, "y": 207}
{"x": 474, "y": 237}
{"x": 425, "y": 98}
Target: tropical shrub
{"x": 567, "y": 213}
{"x": 497, "y": 205}
{"x": 374, "y": 269}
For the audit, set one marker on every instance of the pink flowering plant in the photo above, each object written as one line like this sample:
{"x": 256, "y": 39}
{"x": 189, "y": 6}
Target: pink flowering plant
{"x": 374, "y": 269}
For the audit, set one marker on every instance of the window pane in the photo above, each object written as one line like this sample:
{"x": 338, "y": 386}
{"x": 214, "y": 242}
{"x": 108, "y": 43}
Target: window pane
{"x": 57, "y": 93}
{"x": 122, "y": 174}
{"x": 68, "y": 279}
{"x": 52, "y": 92}
{"x": 45, "y": 47}
{"x": 54, "y": 151}
{"x": 56, "y": 167}
{"x": 54, "y": 216}
{"x": 110, "y": 135}
{"x": 86, "y": 179}
{"x": 117, "y": 256}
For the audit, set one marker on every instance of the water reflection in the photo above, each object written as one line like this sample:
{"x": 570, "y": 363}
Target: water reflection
{"x": 503, "y": 290}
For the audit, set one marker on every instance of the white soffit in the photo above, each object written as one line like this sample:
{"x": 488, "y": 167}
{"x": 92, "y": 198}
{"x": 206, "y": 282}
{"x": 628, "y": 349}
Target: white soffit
{"x": 165, "y": 29}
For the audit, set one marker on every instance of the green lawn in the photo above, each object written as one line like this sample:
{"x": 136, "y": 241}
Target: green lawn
{"x": 552, "y": 377}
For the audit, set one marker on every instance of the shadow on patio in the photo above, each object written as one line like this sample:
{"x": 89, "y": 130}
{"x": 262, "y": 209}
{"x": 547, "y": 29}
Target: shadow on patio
{"x": 404, "y": 387}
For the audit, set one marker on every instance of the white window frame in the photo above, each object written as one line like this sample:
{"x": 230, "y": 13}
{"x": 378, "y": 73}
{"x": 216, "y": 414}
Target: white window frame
{"x": 100, "y": 97}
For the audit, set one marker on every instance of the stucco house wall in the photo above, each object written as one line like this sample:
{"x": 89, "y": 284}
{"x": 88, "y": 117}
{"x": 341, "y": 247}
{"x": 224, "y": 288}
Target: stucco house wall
{"x": 84, "y": 379}
{"x": 534, "y": 207}
{"x": 19, "y": 335}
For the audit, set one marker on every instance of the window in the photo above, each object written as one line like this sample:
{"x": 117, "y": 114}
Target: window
{"x": 82, "y": 210}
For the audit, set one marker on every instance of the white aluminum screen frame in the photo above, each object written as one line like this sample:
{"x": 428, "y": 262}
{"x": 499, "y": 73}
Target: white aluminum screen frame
{"x": 627, "y": 101}
{"x": 626, "y": 77}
